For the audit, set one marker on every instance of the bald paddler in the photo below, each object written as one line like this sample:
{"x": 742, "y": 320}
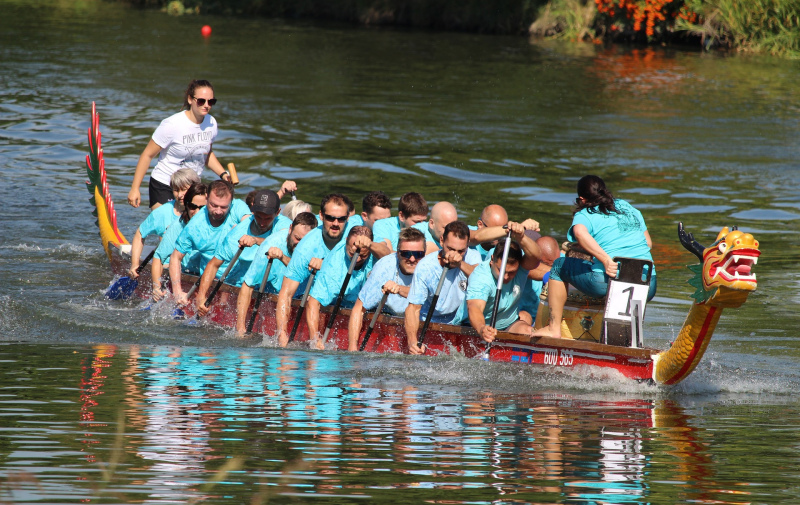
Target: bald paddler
{"x": 495, "y": 217}
{"x": 411, "y": 209}
{"x": 492, "y": 215}
{"x": 278, "y": 248}
{"x": 523, "y": 256}
{"x": 391, "y": 274}
{"x": 330, "y": 278}
{"x": 536, "y": 277}
{"x": 203, "y": 233}
{"x": 451, "y": 307}
{"x": 250, "y": 234}
{"x": 308, "y": 255}
{"x": 442, "y": 214}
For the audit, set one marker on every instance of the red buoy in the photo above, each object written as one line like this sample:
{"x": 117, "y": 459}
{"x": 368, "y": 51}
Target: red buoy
{"x": 206, "y": 31}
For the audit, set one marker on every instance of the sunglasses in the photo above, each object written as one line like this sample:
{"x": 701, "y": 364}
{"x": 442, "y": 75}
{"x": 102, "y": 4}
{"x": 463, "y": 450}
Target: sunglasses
{"x": 331, "y": 219}
{"x": 192, "y": 206}
{"x": 202, "y": 101}
{"x": 418, "y": 255}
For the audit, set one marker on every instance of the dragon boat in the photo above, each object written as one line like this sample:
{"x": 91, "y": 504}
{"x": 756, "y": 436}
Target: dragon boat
{"x": 722, "y": 280}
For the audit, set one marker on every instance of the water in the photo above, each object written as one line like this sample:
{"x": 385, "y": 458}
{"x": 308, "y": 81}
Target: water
{"x": 103, "y": 402}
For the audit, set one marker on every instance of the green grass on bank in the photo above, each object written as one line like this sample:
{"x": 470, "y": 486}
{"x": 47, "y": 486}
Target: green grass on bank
{"x": 763, "y": 26}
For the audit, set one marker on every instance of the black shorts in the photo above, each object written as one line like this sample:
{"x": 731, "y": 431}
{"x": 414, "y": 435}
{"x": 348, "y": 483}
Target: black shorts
{"x": 159, "y": 192}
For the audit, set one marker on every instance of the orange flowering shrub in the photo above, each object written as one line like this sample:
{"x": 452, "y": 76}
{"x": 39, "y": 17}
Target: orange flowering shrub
{"x": 652, "y": 18}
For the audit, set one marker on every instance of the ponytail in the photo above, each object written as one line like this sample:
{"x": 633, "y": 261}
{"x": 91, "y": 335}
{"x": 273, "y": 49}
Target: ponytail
{"x": 594, "y": 196}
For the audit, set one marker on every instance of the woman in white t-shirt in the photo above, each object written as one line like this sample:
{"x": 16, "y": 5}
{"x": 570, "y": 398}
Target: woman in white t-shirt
{"x": 183, "y": 140}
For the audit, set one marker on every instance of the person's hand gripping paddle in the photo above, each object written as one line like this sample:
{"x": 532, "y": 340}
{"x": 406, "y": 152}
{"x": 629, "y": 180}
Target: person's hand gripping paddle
{"x": 124, "y": 287}
{"x": 500, "y": 275}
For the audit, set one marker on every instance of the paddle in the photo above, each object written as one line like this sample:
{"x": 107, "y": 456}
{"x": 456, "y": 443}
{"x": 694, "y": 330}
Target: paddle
{"x": 374, "y": 320}
{"x": 193, "y": 288}
{"x": 340, "y": 297}
{"x": 302, "y": 306}
{"x": 432, "y": 307}
{"x": 259, "y": 296}
{"x": 232, "y": 173}
{"x": 213, "y": 293}
{"x": 124, "y": 287}
{"x": 178, "y": 313}
{"x": 500, "y": 276}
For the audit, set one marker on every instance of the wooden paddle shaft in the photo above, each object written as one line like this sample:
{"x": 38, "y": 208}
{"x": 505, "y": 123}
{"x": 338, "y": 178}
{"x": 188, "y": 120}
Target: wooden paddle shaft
{"x": 502, "y": 274}
{"x": 339, "y": 298}
{"x": 302, "y": 308}
{"x": 374, "y": 320}
{"x": 146, "y": 261}
{"x": 213, "y": 293}
{"x": 260, "y": 295}
{"x": 432, "y": 308}
{"x": 192, "y": 289}
{"x": 234, "y": 176}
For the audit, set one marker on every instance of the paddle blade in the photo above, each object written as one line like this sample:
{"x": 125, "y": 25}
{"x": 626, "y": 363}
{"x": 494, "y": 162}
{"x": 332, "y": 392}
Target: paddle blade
{"x": 122, "y": 289}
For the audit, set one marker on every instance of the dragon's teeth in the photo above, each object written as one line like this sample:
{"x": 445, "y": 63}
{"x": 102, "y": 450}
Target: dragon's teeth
{"x": 755, "y": 261}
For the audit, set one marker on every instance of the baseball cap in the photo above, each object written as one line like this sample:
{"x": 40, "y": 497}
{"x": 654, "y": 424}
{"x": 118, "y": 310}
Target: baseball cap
{"x": 266, "y": 201}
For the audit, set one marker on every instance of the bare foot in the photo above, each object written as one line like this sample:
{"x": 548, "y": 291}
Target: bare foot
{"x": 546, "y": 332}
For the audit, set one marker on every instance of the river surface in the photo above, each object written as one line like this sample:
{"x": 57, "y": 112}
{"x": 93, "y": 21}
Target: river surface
{"x": 101, "y": 402}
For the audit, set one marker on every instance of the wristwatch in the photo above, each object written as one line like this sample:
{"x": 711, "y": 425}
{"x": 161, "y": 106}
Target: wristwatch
{"x": 223, "y": 174}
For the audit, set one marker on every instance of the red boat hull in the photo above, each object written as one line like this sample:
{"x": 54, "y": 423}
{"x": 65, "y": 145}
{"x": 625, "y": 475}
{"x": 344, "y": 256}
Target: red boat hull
{"x": 389, "y": 336}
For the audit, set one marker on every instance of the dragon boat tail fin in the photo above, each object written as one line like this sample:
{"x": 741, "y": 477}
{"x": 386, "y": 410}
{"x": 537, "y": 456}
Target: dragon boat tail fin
{"x": 689, "y": 243}
{"x": 97, "y": 185}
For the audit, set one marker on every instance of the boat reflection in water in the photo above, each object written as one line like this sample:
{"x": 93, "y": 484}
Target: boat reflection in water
{"x": 311, "y": 424}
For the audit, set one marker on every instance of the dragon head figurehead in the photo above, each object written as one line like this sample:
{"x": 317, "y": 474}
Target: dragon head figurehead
{"x": 724, "y": 278}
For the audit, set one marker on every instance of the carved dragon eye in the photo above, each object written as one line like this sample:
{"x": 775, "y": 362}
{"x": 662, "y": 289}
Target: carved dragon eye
{"x": 723, "y": 247}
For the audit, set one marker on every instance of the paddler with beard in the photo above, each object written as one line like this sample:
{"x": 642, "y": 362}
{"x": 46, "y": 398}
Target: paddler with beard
{"x": 279, "y": 248}
{"x": 249, "y": 234}
{"x": 203, "y": 233}
{"x": 308, "y": 256}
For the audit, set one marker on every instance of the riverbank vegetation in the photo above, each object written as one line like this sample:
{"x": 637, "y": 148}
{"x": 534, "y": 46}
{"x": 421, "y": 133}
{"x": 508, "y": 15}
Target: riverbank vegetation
{"x": 765, "y": 26}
